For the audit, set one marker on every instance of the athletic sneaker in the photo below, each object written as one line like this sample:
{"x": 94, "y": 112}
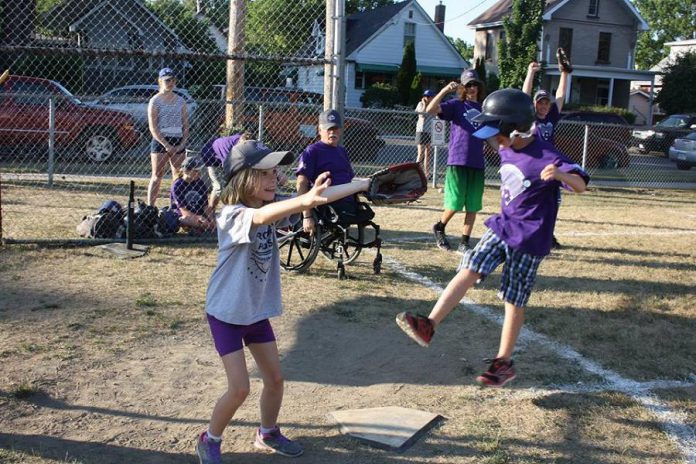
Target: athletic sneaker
{"x": 500, "y": 372}
{"x": 441, "y": 237}
{"x": 418, "y": 327}
{"x": 463, "y": 248}
{"x": 208, "y": 450}
{"x": 276, "y": 442}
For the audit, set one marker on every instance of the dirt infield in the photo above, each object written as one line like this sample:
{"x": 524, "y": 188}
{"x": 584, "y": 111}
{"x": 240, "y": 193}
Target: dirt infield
{"x": 109, "y": 361}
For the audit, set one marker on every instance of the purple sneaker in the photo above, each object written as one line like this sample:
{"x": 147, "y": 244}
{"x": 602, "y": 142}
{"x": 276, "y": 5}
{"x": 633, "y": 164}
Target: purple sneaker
{"x": 276, "y": 442}
{"x": 208, "y": 450}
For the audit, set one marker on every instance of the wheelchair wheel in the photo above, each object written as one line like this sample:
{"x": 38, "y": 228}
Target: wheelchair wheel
{"x": 298, "y": 249}
{"x": 350, "y": 250}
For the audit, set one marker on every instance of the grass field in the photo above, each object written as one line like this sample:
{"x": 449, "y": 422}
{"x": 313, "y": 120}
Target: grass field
{"x": 110, "y": 361}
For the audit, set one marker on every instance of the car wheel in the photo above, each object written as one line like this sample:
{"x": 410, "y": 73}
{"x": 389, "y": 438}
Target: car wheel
{"x": 98, "y": 147}
{"x": 610, "y": 161}
{"x": 683, "y": 166}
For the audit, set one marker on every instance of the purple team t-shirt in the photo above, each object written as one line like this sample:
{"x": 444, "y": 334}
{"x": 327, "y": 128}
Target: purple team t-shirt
{"x": 321, "y": 157}
{"x": 463, "y": 149}
{"x": 215, "y": 151}
{"x": 192, "y": 196}
{"x": 543, "y": 128}
{"x": 529, "y": 205}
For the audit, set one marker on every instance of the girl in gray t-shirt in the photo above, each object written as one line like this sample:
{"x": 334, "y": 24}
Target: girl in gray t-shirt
{"x": 244, "y": 289}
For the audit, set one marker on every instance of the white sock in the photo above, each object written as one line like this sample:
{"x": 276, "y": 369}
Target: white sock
{"x": 265, "y": 430}
{"x": 213, "y": 437}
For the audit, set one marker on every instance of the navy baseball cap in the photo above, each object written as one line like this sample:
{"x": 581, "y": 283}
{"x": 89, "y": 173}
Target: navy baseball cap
{"x": 329, "y": 119}
{"x": 540, "y": 95}
{"x": 469, "y": 75}
{"x": 166, "y": 72}
{"x": 253, "y": 154}
{"x": 428, "y": 93}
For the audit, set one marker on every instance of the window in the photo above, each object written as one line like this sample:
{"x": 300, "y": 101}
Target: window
{"x": 565, "y": 39}
{"x": 410, "y": 14}
{"x": 604, "y": 47}
{"x": 593, "y": 9}
{"x": 490, "y": 45}
{"x": 359, "y": 80}
{"x": 602, "y": 98}
{"x": 30, "y": 93}
{"x": 409, "y": 34}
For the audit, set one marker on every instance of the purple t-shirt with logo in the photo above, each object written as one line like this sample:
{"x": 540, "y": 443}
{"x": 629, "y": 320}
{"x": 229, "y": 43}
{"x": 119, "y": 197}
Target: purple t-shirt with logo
{"x": 529, "y": 205}
{"x": 321, "y": 157}
{"x": 543, "y": 128}
{"x": 215, "y": 151}
{"x": 192, "y": 196}
{"x": 463, "y": 148}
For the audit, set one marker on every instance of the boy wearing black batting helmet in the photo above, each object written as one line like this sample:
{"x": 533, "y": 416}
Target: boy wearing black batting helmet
{"x": 532, "y": 171}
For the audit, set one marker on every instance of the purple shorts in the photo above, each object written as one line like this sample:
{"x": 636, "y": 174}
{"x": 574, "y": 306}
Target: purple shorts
{"x": 228, "y": 338}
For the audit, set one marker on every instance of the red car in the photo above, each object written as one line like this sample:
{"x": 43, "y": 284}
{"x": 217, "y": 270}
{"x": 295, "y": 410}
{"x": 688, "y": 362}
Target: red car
{"x": 93, "y": 133}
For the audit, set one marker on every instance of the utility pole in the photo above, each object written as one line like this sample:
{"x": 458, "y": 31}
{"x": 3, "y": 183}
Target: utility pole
{"x": 329, "y": 53}
{"x": 339, "y": 89}
{"x": 234, "y": 89}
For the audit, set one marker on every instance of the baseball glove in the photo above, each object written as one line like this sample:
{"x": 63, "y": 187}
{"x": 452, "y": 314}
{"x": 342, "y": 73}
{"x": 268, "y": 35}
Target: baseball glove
{"x": 563, "y": 61}
{"x": 400, "y": 183}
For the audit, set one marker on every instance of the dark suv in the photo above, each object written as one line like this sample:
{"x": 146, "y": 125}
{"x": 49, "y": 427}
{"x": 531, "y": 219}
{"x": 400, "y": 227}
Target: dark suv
{"x": 93, "y": 133}
{"x": 660, "y": 136}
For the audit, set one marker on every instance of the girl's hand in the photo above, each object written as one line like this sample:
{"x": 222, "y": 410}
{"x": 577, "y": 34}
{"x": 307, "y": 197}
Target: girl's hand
{"x": 314, "y": 195}
{"x": 534, "y": 67}
{"x": 550, "y": 172}
{"x": 452, "y": 86}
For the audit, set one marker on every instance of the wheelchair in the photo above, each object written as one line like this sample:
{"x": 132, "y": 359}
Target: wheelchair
{"x": 339, "y": 237}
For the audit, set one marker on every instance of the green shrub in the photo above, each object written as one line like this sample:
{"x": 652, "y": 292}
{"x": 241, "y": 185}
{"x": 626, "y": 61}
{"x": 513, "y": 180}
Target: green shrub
{"x": 380, "y": 96}
{"x": 627, "y": 115}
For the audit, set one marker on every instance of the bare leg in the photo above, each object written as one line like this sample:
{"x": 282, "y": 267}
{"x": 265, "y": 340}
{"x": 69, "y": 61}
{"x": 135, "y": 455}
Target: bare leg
{"x": 453, "y": 294}
{"x": 237, "y": 392}
{"x": 175, "y": 162}
{"x": 158, "y": 161}
{"x": 514, "y": 318}
{"x": 426, "y": 160}
{"x": 446, "y": 216}
{"x": 268, "y": 362}
{"x": 469, "y": 220}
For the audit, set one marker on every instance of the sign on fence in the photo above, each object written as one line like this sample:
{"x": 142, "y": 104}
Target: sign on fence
{"x": 438, "y": 132}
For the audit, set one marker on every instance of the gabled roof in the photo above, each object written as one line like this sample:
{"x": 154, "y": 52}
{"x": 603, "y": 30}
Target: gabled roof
{"x": 362, "y": 26}
{"x": 495, "y": 14}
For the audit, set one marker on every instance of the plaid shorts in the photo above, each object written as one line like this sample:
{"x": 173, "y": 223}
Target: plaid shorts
{"x": 519, "y": 271}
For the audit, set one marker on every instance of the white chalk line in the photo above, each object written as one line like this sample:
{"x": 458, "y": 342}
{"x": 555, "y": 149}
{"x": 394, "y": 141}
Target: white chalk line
{"x": 674, "y": 423}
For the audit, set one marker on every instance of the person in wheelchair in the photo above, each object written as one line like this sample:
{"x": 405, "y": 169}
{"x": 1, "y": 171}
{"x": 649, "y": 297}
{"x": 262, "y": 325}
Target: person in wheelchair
{"x": 327, "y": 155}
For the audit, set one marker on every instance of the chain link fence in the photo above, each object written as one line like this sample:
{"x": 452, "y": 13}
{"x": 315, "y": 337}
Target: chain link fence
{"x": 73, "y": 111}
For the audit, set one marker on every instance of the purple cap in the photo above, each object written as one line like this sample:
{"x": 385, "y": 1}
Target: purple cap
{"x": 469, "y": 75}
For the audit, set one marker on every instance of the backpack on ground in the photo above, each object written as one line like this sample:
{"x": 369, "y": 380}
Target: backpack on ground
{"x": 145, "y": 219}
{"x": 167, "y": 222}
{"x": 107, "y": 222}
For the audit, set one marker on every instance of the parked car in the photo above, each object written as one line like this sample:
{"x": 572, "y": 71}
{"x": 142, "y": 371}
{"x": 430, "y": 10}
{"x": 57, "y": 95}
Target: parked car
{"x": 608, "y": 138}
{"x": 660, "y": 136}
{"x": 683, "y": 151}
{"x": 93, "y": 133}
{"x": 290, "y": 121}
{"x": 133, "y": 99}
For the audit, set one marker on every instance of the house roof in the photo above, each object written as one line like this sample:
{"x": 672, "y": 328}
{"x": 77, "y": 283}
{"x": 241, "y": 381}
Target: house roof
{"x": 361, "y": 26}
{"x": 495, "y": 14}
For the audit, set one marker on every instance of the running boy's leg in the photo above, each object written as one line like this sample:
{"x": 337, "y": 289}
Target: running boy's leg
{"x": 512, "y": 324}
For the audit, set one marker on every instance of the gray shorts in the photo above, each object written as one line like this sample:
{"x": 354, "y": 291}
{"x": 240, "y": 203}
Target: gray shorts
{"x": 423, "y": 138}
{"x": 217, "y": 178}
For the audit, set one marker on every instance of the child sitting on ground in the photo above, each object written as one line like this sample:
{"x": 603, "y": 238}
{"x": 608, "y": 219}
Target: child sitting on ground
{"x": 189, "y": 198}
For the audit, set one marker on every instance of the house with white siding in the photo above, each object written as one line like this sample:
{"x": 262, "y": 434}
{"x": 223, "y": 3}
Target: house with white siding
{"x": 375, "y": 42}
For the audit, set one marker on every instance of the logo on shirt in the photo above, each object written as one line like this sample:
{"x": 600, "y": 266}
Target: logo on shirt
{"x": 262, "y": 254}
{"x": 544, "y": 129}
{"x": 513, "y": 182}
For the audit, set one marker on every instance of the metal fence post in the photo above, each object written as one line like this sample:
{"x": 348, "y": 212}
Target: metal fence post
{"x": 435, "y": 166}
{"x": 51, "y": 138}
{"x": 584, "y": 145}
{"x": 260, "y": 136}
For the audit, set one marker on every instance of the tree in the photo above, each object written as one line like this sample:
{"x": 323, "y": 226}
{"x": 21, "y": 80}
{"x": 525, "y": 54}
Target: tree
{"x": 356, "y": 6}
{"x": 520, "y": 43}
{"x": 416, "y": 92}
{"x": 406, "y": 73}
{"x": 465, "y": 49}
{"x": 678, "y": 94}
{"x": 669, "y": 20}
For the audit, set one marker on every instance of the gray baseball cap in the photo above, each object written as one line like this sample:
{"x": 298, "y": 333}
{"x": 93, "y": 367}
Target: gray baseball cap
{"x": 540, "y": 95}
{"x": 253, "y": 154}
{"x": 329, "y": 119}
{"x": 192, "y": 162}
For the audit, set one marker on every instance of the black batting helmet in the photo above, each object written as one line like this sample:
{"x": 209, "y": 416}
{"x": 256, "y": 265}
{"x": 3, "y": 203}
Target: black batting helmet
{"x": 506, "y": 110}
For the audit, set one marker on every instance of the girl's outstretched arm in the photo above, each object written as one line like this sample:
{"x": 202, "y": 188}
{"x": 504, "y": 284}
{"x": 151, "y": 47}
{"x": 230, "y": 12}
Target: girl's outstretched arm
{"x": 320, "y": 194}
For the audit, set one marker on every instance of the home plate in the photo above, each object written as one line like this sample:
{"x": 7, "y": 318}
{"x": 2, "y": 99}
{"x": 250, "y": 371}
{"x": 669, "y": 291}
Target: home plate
{"x": 391, "y": 427}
